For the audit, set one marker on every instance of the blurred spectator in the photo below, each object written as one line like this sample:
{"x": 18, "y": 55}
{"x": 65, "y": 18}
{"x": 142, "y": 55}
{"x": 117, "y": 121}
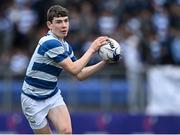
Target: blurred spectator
{"x": 161, "y": 22}
{"x": 107, "y": 22}
{"x": 24, "y": 20}
{"x": 134, "y": 69}
{"x": 6, "y": 32}
{"x": 175, "y": 47}
{"x": 75, "y": 20}
{"x": 88, "y": 19}
{"x": 22, "y": 16}
{"x": 19, "y": 62}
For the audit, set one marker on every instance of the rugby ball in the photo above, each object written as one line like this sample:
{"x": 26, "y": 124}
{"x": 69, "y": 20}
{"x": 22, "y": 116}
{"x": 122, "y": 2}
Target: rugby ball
{"x": 110, "y": 51}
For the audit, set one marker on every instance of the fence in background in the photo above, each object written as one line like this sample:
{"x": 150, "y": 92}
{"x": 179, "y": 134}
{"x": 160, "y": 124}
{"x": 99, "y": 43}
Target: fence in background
{"x": 91, "y": 94}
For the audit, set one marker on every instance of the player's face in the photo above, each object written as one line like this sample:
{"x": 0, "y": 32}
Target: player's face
{"x": 59, "y": 26}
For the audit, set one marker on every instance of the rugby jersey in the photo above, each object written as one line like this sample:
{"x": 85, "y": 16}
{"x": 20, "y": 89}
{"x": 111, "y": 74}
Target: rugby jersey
{"x": 42, "y": 73}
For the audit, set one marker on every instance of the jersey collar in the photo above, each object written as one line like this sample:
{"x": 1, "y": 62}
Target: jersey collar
{"x": 50, "y": 33}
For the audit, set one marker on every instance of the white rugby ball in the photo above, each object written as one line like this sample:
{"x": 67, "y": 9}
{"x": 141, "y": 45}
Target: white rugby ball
{"x": 110, "y": 51}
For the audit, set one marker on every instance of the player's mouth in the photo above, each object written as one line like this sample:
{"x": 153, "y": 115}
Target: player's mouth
{"x": 64, "y": 31}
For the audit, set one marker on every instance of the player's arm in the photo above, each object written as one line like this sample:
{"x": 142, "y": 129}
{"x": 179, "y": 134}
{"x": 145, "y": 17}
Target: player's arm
{"x": 76, "y": 67}
{"x": 90, "y": 70}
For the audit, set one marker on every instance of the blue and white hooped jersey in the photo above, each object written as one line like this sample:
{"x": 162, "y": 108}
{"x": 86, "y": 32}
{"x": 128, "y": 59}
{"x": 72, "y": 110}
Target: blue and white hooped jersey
{"x": 43, "y": 70}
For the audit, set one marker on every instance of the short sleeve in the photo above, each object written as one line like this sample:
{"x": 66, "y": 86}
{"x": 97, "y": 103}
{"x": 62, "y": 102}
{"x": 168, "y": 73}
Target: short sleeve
{"x": 54, "y": 50}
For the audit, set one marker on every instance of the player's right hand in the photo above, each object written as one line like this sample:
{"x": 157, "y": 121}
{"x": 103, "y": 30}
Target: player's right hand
{"x": 98, "y": 42}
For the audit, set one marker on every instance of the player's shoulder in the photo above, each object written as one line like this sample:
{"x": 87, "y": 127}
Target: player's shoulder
{"x": 47, "y": 39}
{"x": 49, "y": 42}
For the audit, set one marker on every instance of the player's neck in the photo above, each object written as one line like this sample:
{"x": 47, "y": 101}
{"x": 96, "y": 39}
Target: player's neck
{"x": 61, "y": 39}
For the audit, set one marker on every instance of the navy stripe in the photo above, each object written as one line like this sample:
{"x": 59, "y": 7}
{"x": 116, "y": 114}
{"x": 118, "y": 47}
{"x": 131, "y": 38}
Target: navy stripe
{"x": 47, "y": 45}
{"x": 52, "y": 70}
{"x": 70, "y": 49}
{"x": 42, "y": 84}
{"x": 70, "y": 52}
{"x": 41, "y": 97}
{"x": 73, "y": 58}
{"x": 61, "y": 57}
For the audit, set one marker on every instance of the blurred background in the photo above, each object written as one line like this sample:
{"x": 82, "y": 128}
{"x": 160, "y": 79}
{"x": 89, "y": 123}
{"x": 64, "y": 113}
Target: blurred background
{"x": 140, "y": 94}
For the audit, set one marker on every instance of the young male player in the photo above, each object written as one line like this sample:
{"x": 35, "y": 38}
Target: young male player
{"x": 41, "y": 99}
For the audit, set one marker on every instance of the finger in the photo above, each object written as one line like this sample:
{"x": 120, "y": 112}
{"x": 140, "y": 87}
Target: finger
{"x": 104, "y": 42}
{"x": 104, "y": 39}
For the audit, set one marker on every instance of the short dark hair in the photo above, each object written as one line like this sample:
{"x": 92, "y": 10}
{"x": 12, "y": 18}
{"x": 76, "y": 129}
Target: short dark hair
{"x": 56, "y": 11}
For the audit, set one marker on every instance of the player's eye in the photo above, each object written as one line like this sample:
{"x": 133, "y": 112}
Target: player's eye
{"x": 59, "y": 21}
{"x": 66, "y": 20}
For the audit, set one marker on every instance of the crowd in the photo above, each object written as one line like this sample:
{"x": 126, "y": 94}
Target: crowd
{"x": 154, "y": 23}
{"x": 148, "y": 31}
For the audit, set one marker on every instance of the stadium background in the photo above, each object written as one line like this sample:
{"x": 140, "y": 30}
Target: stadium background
{"x": 121, "y": 97}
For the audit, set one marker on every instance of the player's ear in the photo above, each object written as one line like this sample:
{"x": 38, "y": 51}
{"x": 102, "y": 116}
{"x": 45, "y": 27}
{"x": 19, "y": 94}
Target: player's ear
{"x": 49, "y": 24}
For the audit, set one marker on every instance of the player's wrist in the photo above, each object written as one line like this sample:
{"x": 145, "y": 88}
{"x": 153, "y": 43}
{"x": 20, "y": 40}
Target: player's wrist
{"x": 91, "y": 50}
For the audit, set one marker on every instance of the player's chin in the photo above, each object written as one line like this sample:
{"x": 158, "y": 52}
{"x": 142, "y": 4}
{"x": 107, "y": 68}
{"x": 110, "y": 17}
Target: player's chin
{"x": 64, "y": 34}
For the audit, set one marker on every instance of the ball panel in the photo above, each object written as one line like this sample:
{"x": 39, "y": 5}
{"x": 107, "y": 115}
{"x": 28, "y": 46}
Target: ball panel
{"x": 110, "y": 51}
